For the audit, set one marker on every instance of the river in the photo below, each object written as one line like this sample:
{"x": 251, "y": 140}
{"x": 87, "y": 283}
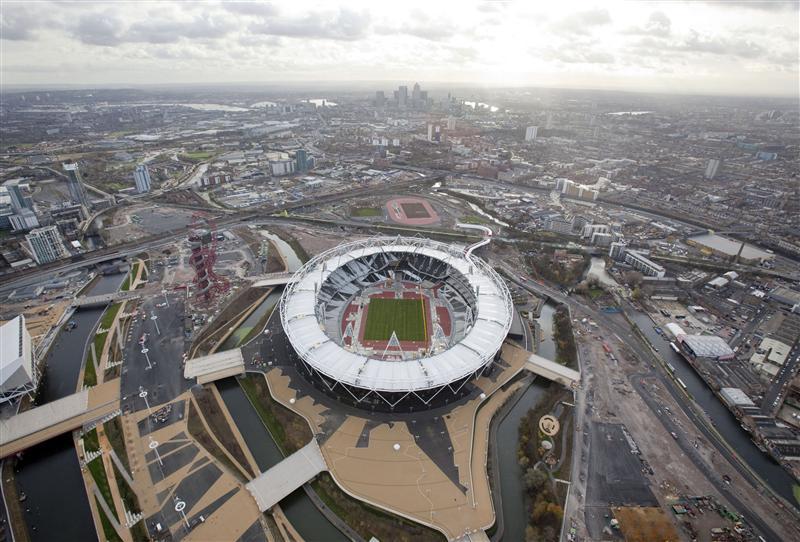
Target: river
{"x": 290, "y": 258}
{"x": 597, "y": 269}
{"x": 49, "y": 474}
{"x": 724, "y": 422}
{"x": 252, "y": 319}
{"x": 301, "y": 512}
{"x": 512, "y": 490}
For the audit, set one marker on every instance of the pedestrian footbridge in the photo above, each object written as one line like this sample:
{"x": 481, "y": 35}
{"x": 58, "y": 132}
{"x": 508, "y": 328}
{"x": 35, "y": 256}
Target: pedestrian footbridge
{"x": 104, "y": 299}
{"x": 553, "y": 371}
{"x": 270, "y": 487}
{"x": 215, "y": 366}
{"x": 39, "y": 424}
{"x": 542, "y": 366}
{"x": 273, "y": 279}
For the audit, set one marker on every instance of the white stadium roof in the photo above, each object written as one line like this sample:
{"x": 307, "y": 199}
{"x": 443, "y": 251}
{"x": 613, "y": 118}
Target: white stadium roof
{"x": 16, "y": 358}
{"x": 493, "y": 315}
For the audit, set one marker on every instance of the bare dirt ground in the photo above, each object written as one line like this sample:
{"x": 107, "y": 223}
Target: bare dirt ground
{"x": 612, "y": 398}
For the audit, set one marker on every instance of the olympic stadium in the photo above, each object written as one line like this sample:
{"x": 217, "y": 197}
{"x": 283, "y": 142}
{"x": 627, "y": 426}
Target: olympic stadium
{"x": 394, "y": 323}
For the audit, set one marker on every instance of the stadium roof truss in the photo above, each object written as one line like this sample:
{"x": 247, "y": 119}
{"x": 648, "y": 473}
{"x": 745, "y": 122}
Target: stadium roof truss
{"x": 425, "y": 377}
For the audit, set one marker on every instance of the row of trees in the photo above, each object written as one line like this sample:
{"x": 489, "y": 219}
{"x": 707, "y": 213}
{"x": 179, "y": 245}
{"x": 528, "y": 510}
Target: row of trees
{"x": 544, "y": 511}
{"x": 566, "y": 350}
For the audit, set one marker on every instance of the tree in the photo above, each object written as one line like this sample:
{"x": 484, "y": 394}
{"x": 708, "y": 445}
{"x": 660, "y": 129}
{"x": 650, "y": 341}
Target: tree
{"x": 534, "y": 479}
{"x": 633, "y": 278}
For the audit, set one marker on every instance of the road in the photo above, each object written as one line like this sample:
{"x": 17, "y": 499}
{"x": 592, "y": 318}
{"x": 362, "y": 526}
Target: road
{"x": 12, "y": 281}
{"x": 643, "y": 352}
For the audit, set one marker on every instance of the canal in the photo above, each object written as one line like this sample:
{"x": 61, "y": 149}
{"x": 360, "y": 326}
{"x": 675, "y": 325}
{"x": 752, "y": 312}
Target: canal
{"x": 724, "y": 421}
{"x": 301, "y": 512}
{"x": 288, "y": 255}
{"x": 57, "y": 507}
{"x": 512, "y": 489}
{"x": 246, "y": 327}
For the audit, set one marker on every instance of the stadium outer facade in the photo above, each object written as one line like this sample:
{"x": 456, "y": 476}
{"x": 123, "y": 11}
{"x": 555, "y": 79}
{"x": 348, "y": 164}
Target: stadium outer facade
{"x": 316, "y": 295}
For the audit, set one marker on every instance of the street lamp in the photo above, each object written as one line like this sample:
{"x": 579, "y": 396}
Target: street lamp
{"x": 166, "y": 299}
{"x": 154, "y": 446}
{"x": 180, "y": 506}
{"x": 154, "y": 318}
{"x": 143, "y": 395}
{"x": 145, "y": 351}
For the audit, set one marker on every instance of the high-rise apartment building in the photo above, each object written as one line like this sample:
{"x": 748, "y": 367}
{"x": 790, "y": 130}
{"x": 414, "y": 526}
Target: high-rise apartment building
{"x": 77, "y": 192}
{"x": 18, "y": 199}
{"x": 434, "y": 132}
{"x": 402, "y": 96}
{"x": 24, "y": 220}
{"x": 141, "y": 176}
{"x": 712, "y": 168}
{"x": 46, "y": 245}
{"x": 302, "y": 161}
{"x": 530, "y": 133}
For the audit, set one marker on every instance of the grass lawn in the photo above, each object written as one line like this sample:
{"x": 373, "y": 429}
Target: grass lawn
{"x": 98, "y": 472}
{"x": 89, "y": 373}
{"x": 113, "y": 429}
{"x": 108, "y": 529}
{"x": 365, "y": 211}
{"x": 404, "y": 316}
{"x": 474, "y": 219}
{"x": 196, "y": 156}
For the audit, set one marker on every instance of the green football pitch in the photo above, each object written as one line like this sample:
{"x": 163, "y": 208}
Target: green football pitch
{"x": 406, "y": 317}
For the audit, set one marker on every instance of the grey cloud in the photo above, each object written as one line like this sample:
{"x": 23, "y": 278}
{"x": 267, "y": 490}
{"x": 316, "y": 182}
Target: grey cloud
{"x": 695, "y": 43}
{"x": 761, "y": 5}
{"x": 426, "y": 30}
{"x": 19, "y": 23}
{"x": 345, "y": 25}
{"x": 658, "y": 24}
{"x": 170, "y": 31}
{"x": 720, "y": 46}
{"x": 582, "y": 22}
{"x": 108, "y": 30}
{"x": 99, "y": 29}
{"x": 259, "y": 9}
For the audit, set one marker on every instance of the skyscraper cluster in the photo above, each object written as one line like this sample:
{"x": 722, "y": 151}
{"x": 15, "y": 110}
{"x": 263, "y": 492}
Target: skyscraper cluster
{"x": 417, "y": 100}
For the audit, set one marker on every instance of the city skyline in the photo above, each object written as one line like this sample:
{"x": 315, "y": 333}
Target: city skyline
{"x": 735, "y": 48}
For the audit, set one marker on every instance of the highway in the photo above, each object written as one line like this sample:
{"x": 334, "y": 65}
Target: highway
{"x": 644, "y": 352}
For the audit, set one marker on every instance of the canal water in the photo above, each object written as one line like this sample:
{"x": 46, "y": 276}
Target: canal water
{"x": 512, "y": 489}
{"x": 57, "y": 507}
{"x": 724, "y": 422}
{"x": 597, "y": 269}
{"x": 301, "y": 512}
{"x": 266, "y": 306}
{"x": 290, "y": 258}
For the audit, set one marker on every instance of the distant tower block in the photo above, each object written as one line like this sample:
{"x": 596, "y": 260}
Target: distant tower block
{"x": 712, "y": 168}
{"x": 530, "y": 133}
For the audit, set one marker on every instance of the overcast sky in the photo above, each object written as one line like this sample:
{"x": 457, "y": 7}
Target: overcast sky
{"x": 720, "y": 47}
